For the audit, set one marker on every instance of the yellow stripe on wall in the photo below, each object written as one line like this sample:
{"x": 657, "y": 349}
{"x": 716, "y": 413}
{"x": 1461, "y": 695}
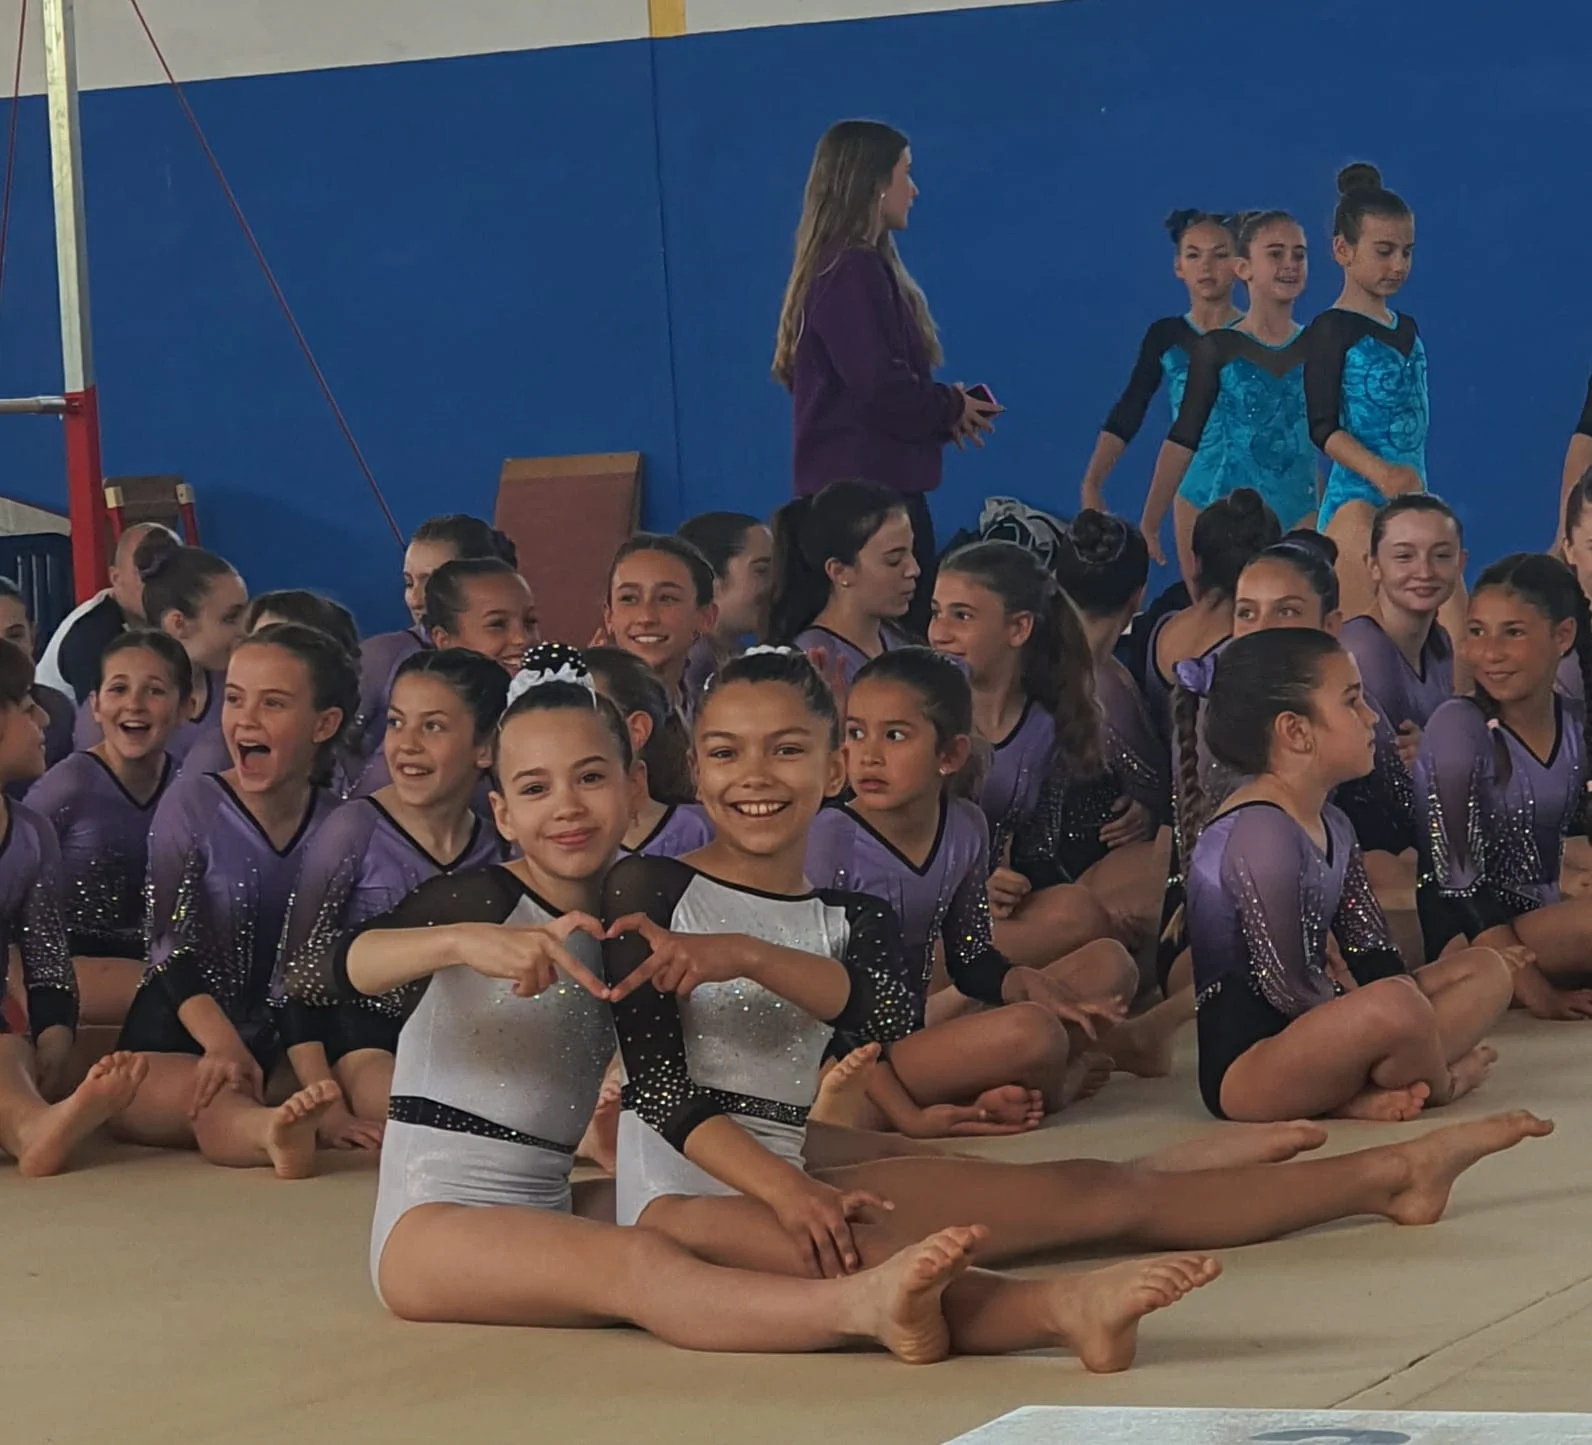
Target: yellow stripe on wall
{"x": 667, "y": 17}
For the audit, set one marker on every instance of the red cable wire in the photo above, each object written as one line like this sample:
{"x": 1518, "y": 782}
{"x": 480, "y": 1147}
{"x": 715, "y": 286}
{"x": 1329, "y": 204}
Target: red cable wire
{"x": 11, "y": 144}
{"x": 270, "y": 277}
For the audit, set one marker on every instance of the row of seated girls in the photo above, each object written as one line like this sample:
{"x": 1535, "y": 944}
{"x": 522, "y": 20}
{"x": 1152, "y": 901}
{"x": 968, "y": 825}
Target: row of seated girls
{"x": 830, "y": 895}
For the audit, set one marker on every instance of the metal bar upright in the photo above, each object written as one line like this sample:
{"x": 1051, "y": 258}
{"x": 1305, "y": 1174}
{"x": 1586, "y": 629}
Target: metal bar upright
{"x": 84, "y": 471}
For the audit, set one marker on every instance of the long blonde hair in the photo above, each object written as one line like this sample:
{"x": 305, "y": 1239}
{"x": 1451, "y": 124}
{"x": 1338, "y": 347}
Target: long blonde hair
{"x": 851, "y": 166}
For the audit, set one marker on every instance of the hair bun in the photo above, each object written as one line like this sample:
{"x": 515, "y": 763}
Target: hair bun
{"x": 1177, "y": 222}
{"x": 1361, "y": 176}
{"x": 549, "y": 662}
{"x": 503, "y": 546}
{"x": 152, "y": 554}
{"x": 1246, "y": 504}
{"x": 1097, "y": 537}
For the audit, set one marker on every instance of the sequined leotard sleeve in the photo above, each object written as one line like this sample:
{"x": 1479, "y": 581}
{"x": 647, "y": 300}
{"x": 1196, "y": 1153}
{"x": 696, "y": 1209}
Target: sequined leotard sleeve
{"x": 1455, "y": 773}
{"x": 974, "y": 964}
{"x": 659, "y": 1085}
{"x": 32, "y": 861}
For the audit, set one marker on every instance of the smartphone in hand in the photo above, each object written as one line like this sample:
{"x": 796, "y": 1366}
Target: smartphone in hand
{"x": 984, "y": 394}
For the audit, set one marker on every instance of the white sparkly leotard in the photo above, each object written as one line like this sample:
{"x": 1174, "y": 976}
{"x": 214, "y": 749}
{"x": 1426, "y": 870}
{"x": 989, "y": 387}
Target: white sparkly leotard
{"x": 734, "y": 1048}
{"x": 490, "y": 1092}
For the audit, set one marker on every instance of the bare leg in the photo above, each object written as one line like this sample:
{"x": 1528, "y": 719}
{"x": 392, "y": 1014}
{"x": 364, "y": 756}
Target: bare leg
{"x": 1096, "y": 1314}
{"x": 1184, "y": 516}
{"x": 1085, "y": 1203}
{"x": 1051, "y": 923}
{"x": 1234, "y": 1146}
{"x": 843, "y": 1092}
{"x": 1143, "y": 1045}
{"x": 365, "y": 1077}
{"x": 954, "y": 1062}
{"x": 1381, "y": 1038}
{"x": 1560, "y": 936}
{"x": 447, "y": 1262}
{"x": 829, "y": 1146}
{"x": 1469, "y": 992}
{"x": 105, "y": 988}
{"x": 1131, "y": 882}
{"x": 232, "y": 1129}
{"x": 40, "y": 1136}
{"x": 1098, "y": 972}
{"x": 1350, "y": 528}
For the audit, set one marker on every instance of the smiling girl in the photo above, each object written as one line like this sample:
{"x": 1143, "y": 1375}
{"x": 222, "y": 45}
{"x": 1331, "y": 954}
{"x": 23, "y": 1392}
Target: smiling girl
{"x": 197, "y": 598}
{"x": 659, "y": 606}
{"x": 367, "y": 857}
{"x": 101, "y": 803}
{"x": 1501, "y": 778}
{"x": 224, "y": 852}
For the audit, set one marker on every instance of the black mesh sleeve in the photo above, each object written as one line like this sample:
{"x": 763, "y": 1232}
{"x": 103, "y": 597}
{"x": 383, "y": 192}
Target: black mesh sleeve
{"x": 1127, "y": 416}
{"x": 1199, "y": 396}
{"x": 658, "y": 1084}
{"x": 1329, "y": 338}
{"x": 487, "y": 895}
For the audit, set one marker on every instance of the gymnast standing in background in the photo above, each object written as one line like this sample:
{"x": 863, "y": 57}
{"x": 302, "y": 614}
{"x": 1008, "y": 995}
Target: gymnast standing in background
{"x": 1365, "y": 380}
{"x": 1241, "y": 422}
{"x": 857, "y": 346}
{"x": 1203, "y": 246}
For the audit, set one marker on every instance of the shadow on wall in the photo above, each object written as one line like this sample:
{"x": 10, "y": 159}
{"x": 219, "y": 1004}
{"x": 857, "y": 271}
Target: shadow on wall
{"x": 473, "y": 247}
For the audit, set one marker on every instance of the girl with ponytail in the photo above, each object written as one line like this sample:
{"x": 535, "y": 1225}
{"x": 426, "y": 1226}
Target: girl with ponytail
{"x": 844, "y": 576}
{"x": 1285, "y": 1030}
{"x": 1057, "y": 811}
{"x": 1501, "y": 779}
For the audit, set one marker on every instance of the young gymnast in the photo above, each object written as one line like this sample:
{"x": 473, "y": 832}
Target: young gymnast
{"x": 844, "y": 575}
{"x": 1283, "y": 1031}
{"x": 1227, "y": 536}
{"x": 907, "y": 840}
{"x": 1501, "y": 778}
{"x": 668, "y": 823}
{"x": 719, "y": 1080}
{"x": 499, "y": 1066}
{"x": 100, "y": 803}
{"x": 1000, "y": 614}
{"x": 1365, "y": 376}
{"x": 367, "y": 857}
{"x": 483, "y": 605}
{"x": 224, "y": 851}
{"x": 1242, "y": 418}
{"x": 197, "y": 598}
{"x": 659, "y": 606}
{"x": 434, "y": 543}
{"x": 740, "y": 550}
{"x": 42, "y": 1118}
{"x": 60, "y": 713}
{"x": 308, "y": 609}
{"x": 1202, "y": 246}
{"x": 1576, "y": 547}
{"x": 1102, "y": 565}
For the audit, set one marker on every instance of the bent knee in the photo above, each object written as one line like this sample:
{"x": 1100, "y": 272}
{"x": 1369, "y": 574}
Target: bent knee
{"x": 1034, "y": 1036}
{"x": 1395, "y": 1008}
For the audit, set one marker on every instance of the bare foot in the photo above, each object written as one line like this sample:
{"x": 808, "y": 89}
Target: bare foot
{"x": 107, "y": 1089}
{"x": 600, "y": 1142}
{"x": 1466, "y": 1073}
{"x": 1097, "y": 1314}
{"x": 290, "y": 1136}
{"x": 1143, "y": 1045}
{"x": 1434, "y": 1161}
{"x": 1012, "y": 1104}
{"x": 1239, "y": 1145}
{"x": 1087, "y": 1075}
{"x": 898, "y": 1302}
{"x": 1386, "y": 1106}
{"x": 843, "y": 1090}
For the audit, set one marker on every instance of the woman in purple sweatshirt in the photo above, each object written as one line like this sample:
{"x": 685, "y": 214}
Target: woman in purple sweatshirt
{"x": 857, "y": 346}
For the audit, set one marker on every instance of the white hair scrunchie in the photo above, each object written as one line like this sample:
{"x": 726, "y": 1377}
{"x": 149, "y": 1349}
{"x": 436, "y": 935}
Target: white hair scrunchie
{"x": 527, "y": 678}
{"x": 763, "y": 648}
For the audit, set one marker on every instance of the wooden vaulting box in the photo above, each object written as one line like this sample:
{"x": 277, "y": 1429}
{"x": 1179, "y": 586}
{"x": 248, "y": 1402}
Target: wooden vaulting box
{"x": 567, "y": 516}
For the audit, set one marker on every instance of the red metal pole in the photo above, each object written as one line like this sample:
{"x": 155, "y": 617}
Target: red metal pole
{"x": 85, "y": 493}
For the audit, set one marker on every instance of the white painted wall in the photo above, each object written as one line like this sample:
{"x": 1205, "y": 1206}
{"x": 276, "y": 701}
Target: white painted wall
{"x": 208, "y": 39}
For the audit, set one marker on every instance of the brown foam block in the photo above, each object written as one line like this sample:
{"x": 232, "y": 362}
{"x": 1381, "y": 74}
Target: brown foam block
{"x": 567, "y": 516}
